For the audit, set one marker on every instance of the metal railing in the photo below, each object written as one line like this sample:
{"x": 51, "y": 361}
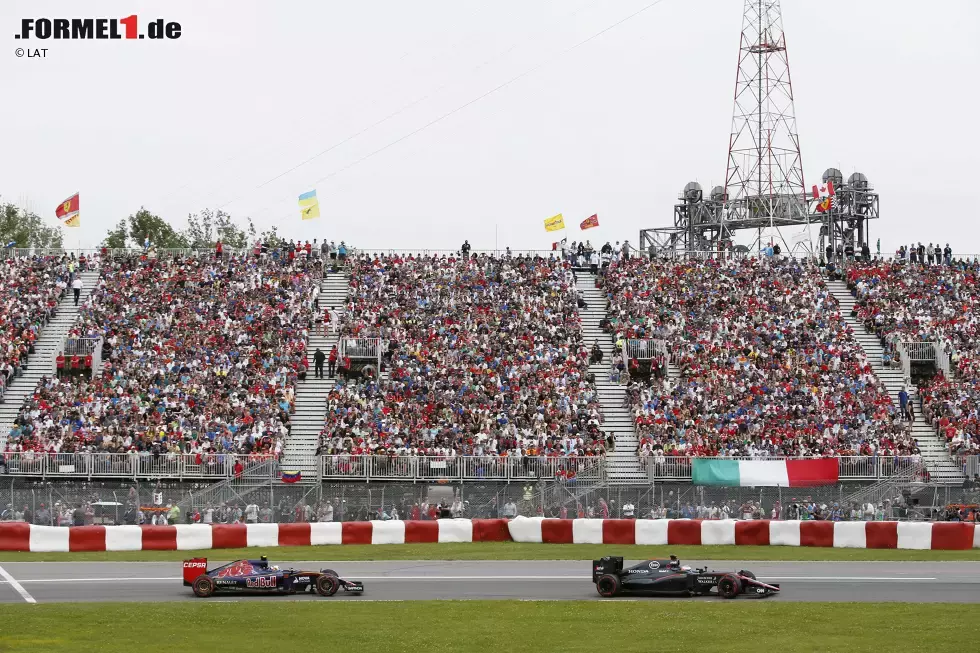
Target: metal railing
{"x": 590, "y": 469}
{"x": 916, "y": 351}
{"x": 81, "y": 347}
{"x": 544, "y": 253}
{"x": 462, "y": 468}
{"x": 971, "y": 465}
{"x": 358, "y": 348}
{"x": 646, "y": 349}
{"x": 125, "y": 465}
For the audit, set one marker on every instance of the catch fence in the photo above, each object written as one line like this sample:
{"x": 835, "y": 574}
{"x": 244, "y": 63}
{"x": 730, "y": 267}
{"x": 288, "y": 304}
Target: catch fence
{"x": 55, "y": 502}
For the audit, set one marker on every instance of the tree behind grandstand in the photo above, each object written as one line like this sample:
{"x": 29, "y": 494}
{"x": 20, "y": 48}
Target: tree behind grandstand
{"x": 26, "y": 229}
{"x": 202, "y": 231}
{"x": 205, "y": 228}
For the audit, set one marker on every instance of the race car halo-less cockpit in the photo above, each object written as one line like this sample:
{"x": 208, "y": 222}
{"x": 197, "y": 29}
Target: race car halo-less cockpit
{"x": 670, "y": 578}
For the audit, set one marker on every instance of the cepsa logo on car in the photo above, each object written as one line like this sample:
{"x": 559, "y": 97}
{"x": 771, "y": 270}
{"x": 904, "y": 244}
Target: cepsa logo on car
{"x": 190, "y": 564}
{"x": 81, "y": 29}
{"x": 261, "y": 581}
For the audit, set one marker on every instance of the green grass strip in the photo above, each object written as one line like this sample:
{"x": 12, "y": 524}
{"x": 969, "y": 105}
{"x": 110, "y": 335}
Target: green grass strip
{"x": 500, "y": 626}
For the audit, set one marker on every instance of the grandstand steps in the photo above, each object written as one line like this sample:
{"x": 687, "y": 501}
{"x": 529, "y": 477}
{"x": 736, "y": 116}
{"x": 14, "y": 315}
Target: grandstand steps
{"x": 309, "y": 412}
{"x": 41, "y": 363}
{"x": 623, "y": 465}
{"x": 935, "y": 456}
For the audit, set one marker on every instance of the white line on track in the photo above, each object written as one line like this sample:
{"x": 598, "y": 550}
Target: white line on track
{"x": 17, "y": 586}
{"x": 863, "y": 579}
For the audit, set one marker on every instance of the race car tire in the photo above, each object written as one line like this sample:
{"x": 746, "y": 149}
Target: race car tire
{"x": 203, "y": 586}
{"x": 330, "y": 572}
{"x": 607, "y": 585}
{"x": 327, "y": 585}
{"x": 729, "y": 587}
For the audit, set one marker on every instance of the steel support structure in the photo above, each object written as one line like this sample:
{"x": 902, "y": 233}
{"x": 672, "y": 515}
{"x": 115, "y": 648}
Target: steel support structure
{"x": 764, "y": 192}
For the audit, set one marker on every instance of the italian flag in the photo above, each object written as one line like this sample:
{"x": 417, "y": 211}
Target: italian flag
{"x": 768, "y": 473}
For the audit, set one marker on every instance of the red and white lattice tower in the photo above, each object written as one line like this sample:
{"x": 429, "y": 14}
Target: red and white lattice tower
{"x": 764, "y": 178}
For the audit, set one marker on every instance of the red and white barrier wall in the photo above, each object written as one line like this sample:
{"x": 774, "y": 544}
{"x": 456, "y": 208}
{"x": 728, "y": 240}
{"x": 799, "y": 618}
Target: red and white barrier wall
{"x": 861, "y": 535}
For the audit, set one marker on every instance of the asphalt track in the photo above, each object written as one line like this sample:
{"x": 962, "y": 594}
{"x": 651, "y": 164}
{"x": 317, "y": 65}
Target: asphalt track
{"x": 920, "y": 582}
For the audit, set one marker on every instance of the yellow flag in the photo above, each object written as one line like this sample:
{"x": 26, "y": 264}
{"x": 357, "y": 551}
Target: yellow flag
{"x": 309, "y": 207}
{"x": 554, "y": 223}
{"x": 310, "y": 212}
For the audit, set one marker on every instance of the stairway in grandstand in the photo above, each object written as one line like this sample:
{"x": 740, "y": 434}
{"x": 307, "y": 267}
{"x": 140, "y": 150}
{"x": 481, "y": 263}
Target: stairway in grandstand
{"x": 235, "y": 490}
{"x": 41, "y": 362}
{"x": 307, "y": 419}
{"x": 623, "y": 465}
{"x": 935, "y": 456}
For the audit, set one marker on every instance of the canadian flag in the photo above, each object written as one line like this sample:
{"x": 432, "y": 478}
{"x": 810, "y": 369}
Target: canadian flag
{"x": 824, "y": 194}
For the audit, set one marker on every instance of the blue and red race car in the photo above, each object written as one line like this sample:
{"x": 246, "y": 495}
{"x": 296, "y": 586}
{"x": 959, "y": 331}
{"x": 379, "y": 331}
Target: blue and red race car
{"x": 259, "y": 577}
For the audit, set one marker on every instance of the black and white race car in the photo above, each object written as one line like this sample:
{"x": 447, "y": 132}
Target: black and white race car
{"x": 670, "y": 578}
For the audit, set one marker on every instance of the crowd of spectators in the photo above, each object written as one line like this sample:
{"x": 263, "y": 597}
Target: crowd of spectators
{"x": 767, "y": 365}
{"x": 484, "y": 357}
{"x": 200, "y": 356}
{"x": 931, "y": 299}
{"x": 30, "y": 288}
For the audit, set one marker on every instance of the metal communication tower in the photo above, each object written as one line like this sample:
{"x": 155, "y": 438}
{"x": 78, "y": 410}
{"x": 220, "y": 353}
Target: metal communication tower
{"x": 764, "y": 189}
{"x": 764, "y": 176}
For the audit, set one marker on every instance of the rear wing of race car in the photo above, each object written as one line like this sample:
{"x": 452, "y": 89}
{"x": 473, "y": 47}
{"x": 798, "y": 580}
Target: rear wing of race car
{"x": 607, "y": 565}
{"x": 194, "y": 568}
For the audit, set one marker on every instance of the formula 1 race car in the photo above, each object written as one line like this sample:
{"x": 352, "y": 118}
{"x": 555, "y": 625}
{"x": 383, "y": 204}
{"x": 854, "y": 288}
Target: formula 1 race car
{"x": 669, "y": 578}
{"x": 259, "y": 577}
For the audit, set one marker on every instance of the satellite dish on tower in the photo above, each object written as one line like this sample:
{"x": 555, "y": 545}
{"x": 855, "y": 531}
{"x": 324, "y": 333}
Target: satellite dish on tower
{"x": 858, "y": 181}
{"x": 834, "y": 176}
{"x": 692, "y": 192}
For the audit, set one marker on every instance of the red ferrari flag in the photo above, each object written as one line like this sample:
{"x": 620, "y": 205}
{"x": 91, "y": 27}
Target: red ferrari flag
{"x": 589, "y": 222}
{"x": 67, "y": 212}
{"x": 824, "y": 194}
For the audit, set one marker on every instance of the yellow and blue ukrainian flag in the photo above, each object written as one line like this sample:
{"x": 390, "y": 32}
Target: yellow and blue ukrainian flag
{"x": 309, "y": 208}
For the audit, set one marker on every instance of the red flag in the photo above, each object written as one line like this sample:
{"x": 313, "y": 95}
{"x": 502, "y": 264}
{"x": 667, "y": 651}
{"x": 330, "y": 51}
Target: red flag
{"x": 824, "y": 195}
{"x": 589, "y": 222}
{"x": 67, "y": 211}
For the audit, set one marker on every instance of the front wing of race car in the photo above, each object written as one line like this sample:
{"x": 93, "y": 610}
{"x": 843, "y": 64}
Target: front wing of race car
{"x": 752, "y": 587}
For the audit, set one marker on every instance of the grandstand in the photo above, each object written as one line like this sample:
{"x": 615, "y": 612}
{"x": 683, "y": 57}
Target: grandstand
{"x": 486, "y": 372}
{"x": 52, "y": 325}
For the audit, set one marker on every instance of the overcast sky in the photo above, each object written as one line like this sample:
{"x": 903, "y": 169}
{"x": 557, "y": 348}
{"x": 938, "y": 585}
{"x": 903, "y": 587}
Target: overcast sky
{"x": 226, "y": 116}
